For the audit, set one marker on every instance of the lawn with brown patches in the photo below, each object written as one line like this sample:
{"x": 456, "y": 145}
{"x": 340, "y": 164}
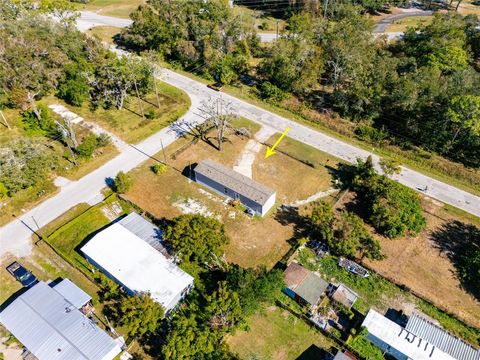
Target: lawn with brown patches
{"x": 419, "y": 263}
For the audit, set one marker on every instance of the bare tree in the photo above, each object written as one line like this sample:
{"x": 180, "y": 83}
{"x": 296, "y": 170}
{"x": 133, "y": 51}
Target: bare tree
{"x": 218, "y": 113}
{"x": 68, "y": 135}
{"x": 5, "y": 122}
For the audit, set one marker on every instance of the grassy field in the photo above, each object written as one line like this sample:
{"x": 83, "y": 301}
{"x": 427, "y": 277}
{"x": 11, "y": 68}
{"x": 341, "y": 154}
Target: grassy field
{"x": 281, "y": 171}
{"x": 115, "y": 8}
{"x": 104, "y": 33}
{"x": 128, "y": 123}
{"x": 408, "y": 22}
{"x": 277, "y": 335}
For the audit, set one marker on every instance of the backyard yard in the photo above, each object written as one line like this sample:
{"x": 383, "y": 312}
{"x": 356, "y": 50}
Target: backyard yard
{"x": 276, "y": 334}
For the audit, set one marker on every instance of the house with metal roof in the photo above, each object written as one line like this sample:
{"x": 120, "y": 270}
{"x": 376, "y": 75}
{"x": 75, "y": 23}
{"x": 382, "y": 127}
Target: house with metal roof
{"x": 136, "y": 265}
{"x": 52, "y": 328}
{"x": 421, "y": 340}
{"x": 343, "y": 295}
{"x": 73, "y": 293}
{"x": 234, "y": 185}
{"x": 303, "y": 285}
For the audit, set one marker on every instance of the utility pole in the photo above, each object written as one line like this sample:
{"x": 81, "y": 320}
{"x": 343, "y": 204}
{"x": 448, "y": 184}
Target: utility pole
{"x": 277, "y": 29}
{"x": 138, "y": 97}
{"x": 163, "y": 150}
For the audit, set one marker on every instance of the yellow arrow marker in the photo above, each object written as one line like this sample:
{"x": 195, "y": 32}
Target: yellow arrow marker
{"x": 271, "y": 150}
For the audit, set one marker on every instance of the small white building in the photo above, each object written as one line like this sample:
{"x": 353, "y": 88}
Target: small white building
{"x": 52, "y": 327}
{"x": 136, "y": 265}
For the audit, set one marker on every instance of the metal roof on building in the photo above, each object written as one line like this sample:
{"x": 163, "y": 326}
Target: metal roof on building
{"x": 401, "y": 340}
{"x": 145, "y": 230}
{"x": 234, "y": 181}
{"x": 72, "y": 293}
{"x": 52, "y": 328}
{"x": 137, "y": 266}
{"x": 437, "y": 336}
{"x": 345, "y": 295}
{"x": 304, "y": 283}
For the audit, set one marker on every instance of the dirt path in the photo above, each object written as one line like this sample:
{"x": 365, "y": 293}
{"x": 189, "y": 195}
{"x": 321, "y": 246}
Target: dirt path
{"x": 314, "y": 197}
{"x": 247, "y": 157}
{"x": 98, "y": 130}
{"x": 10, "y": 352}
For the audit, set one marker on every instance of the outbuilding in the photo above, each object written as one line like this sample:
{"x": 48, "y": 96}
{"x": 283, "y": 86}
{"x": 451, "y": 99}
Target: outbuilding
{"x": 53, "y": 328}
{"x": 135, "y": 264}
{"x": 303, "y": 285}
{"x": 234, "y": 185}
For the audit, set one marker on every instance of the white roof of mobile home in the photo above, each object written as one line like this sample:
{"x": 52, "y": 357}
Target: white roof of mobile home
{"x": 72, "y": 293}
{"x": 402, "y": 340}
{"x": 137, "y": 265}
{"x": 52, "y": 328}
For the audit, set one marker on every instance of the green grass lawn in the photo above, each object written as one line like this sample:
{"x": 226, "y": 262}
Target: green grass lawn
{"x": 128, "y": 123}
{"x": 408, "y": 22}
{"x": 72, "y": 234}
{"x": 115, "y": 8}
{"x": 276, "y": 334}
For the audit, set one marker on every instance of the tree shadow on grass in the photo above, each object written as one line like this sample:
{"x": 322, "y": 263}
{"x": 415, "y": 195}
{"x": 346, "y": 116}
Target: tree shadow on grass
{"x": 461, "y": 243}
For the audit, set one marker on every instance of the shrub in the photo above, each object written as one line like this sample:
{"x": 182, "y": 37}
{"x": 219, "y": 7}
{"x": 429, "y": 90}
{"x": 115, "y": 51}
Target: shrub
{"x": 122, "y": 183}
{"x": 3, "y": 190}
{"x": 32, "y": 124}
{"x": 371, "y": 134}
{"x": 270, "y": 92}
{"x": 88, "y": 146}
{"x": 151, "y": 114}
{"x": 159, "y": 168}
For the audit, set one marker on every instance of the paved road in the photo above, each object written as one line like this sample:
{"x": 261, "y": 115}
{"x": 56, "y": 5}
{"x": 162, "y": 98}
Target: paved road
{"x": 15, "y": 236}
{"x": 381, "y": 26}
{"x": 90, "y": 19}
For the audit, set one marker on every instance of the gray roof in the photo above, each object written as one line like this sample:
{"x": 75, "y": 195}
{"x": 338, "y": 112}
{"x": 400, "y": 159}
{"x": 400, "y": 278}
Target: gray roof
{"x": 234, "y": 181}
{"x": 51, "y": 328}
{"x": 145, "y": 230}
{"x": 304, "y": 283}
{"x": 72, "y": 293}
{"x": 437, "y": 336}
{"x": 345, "y": 295}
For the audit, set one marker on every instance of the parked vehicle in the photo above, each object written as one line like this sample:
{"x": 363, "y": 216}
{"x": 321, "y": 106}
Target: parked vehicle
{"x": 217, "y": 86}
{"x": 25, "y": 277}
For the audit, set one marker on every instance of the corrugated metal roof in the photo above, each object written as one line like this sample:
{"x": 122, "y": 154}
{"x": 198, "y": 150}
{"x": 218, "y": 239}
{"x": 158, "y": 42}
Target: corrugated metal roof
{"x": 72, "y": 293}
{"x": 437, "y": 336}
{"x": 311, "y": 288}
{"x": 345, "y": 295}
{"x": 401, "y": 340}
{"x": 234, "y": 181}
{"x": 304, "y": 283}
{"x": 137, "y": 266}
{"x": 53, "y": 329}
{"x": 145, "y": 230}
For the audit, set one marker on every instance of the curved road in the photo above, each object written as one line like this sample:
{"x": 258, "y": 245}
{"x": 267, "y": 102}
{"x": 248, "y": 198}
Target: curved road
{"x": 15, "y": 237}
{"x": 381, "y": 26}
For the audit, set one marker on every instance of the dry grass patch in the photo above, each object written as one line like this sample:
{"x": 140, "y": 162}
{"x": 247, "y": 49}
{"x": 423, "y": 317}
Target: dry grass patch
{"x": 115, "y": 8}
{"x": 408, "y": 22}
{"x": 288, "y": 173}
{"x": 418, "y": 263}
{"x": 105, "y": 33}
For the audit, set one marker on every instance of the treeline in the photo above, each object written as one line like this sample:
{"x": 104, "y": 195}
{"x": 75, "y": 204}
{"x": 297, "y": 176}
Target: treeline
{"x": 421, "y": 90}
{"x": 41, "y": 57}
